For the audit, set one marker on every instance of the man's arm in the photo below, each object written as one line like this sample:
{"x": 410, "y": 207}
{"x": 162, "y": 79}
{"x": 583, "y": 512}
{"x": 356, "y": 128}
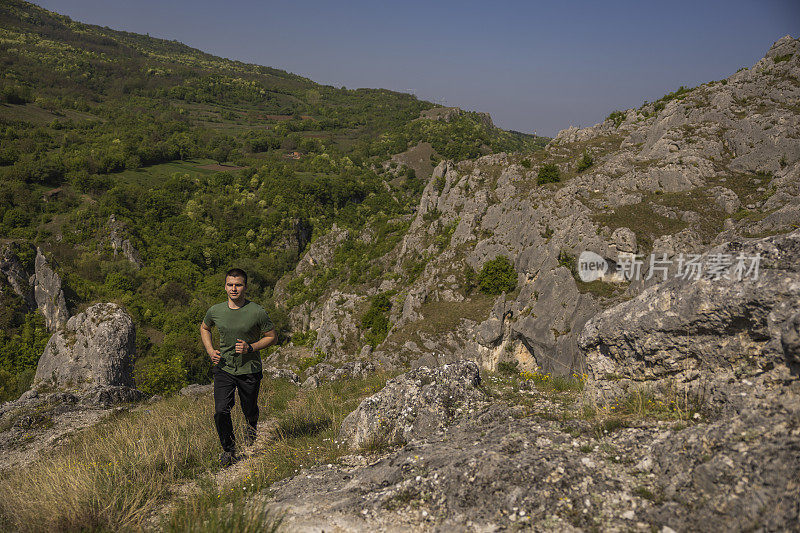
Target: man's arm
{"x": 205, "y": 336}
{"x": 268, "y": 338}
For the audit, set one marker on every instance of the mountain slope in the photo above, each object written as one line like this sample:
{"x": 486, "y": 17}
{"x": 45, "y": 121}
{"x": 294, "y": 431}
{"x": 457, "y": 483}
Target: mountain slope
{"x": 675, "y": 176}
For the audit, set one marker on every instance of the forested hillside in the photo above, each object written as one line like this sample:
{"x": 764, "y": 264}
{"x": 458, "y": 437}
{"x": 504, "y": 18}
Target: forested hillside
{"x": 198, "y": 163}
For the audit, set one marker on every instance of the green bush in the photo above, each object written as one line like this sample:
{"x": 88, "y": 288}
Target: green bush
{"x": 565, "y": 259}
{"x": 307, "y": 338}
{"x": 497, "y": 276}
{"x": 163, "y": 372}
{"x": 508, "y": 367}
{"x": 118, "y": 283}
{"x": 585, "y": 162}
{"x": 617, "y": 117}
{"x": 15, "y": 95}
{"x": 19, "y": 355}
{"x": 376, "y": 320}
{"x": 548, "y": 173}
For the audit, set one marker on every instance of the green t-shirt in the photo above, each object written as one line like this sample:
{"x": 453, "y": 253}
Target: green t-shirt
{"x": 248, "y": 323}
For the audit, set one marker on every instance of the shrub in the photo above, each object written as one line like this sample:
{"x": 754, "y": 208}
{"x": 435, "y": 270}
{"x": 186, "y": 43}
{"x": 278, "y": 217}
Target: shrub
{"x": 617, "y": 117}
{"x": 307, "y": 338}
{"x": 569, "y": 261}
{"x": 497, "y": 275}
{"x": 118, "y": 283}
{"x": 376, "y": 320}
{"x": 163, "y": 372}
{"x": 548, "y": 173}
{"x": 585, "y": 162}
{"x": 92, "y": 183}
{"x": 15, "y": 95}
{"x": 508, "y": 367}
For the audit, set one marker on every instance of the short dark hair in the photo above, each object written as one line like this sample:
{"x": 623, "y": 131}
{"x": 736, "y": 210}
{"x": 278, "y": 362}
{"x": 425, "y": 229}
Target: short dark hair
{"x": 237, "y": 273}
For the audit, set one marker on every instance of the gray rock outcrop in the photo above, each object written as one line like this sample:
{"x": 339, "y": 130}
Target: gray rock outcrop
{"x": 94, "y": 349}
{"x": 121, "y": 243}
{"x": 336, "y": 325}
{"x": 195, "y": 389}
{"x": 693, "y": 332}
{"x": 11, "y": 267}
{"x": 321, "y": 372}
{"x": 414, "y": 405}
{"x": 498, "y": 472}
{"x": 48, "y": 293}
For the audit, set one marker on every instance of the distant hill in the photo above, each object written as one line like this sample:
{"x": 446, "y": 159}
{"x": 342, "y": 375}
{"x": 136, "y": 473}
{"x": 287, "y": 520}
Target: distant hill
{"x": 197, "y": 163}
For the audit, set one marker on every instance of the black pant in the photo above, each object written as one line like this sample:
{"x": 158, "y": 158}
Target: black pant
{"x": 224, "y": 386}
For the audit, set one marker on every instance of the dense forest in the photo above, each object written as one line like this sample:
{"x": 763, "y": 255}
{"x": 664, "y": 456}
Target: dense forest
{"x": 203, "y": 163}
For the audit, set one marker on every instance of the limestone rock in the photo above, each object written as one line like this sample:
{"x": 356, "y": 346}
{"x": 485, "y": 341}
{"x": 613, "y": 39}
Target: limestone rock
{"x": 11, "y": 267}
{"x": 120, "y": 243}
{"x": 321, "y": 372}
{"x": 281, "y": 373}
{"x": 625, "y": 240}
{"x": 94, "y": 348}
{"x": 48, "y": 293}
{"x": 311, "y": 383}
{"x": 414, "y": 405}
{"x": 195, "y": 389}
{"x": 726, "y": 199}
{"x": 790, "y": 340}
{"x": 427, "y": 360}
{"x": 687, "y": 331}
{"x": 320, "y": 252}
{"x": 336, "y": 326}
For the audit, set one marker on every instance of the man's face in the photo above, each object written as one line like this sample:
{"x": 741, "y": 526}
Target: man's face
{"x": 235, "y": 286}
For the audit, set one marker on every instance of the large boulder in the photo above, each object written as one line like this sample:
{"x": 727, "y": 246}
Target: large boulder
{"x": 94, "y": 349}
{"x": 414, "y": 405}
{"x": 691, "y": 331}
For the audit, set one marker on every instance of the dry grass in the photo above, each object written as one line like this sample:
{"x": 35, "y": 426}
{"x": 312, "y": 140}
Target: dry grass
{"x": 118, "y": 474}
{"x": 113, "y": 475}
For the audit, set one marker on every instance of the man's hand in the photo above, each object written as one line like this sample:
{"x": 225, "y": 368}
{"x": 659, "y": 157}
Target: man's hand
{"x": 243, "y": 346}
{"x": 214, "y": 356}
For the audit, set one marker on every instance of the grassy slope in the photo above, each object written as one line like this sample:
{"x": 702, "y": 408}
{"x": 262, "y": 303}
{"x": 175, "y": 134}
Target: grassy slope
{"x": 158, "y": 463}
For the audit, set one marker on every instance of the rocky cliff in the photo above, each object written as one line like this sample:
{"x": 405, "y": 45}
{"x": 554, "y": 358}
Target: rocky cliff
{"x": 696, "y": 168}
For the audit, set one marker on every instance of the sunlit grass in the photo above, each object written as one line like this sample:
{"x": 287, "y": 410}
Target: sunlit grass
{"x": 122, "y": 472}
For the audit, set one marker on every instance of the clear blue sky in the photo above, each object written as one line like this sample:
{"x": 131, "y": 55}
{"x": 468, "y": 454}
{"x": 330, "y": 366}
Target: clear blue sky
{"x": 535, "y": 66}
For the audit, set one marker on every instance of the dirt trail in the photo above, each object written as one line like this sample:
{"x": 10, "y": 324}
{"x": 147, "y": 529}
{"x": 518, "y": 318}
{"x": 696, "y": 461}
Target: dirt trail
{"x": 264, "y": 437}
{"x": 224, "y": 477}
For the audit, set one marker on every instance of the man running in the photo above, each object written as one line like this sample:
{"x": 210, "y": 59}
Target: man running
{"x": 244, "y": 329}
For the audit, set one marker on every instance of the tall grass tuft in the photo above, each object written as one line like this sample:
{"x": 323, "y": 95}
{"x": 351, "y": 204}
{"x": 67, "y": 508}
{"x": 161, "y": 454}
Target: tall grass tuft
{"x": 113, "y": 475}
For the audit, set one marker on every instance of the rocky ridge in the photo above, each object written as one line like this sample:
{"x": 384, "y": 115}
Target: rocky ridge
{"x": 698, "y": 167}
